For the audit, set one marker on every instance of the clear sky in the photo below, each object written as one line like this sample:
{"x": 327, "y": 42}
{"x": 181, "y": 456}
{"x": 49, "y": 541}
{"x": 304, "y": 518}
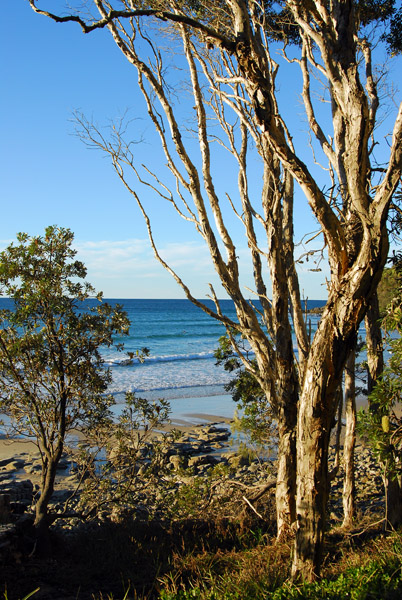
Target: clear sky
{"x": 49, "y": 177}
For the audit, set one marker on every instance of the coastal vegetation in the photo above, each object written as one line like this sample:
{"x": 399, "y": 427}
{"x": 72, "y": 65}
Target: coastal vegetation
{"x": 232, "y": 71}
{"x": 52, "y": 377}
{"x": 160, "y": 516}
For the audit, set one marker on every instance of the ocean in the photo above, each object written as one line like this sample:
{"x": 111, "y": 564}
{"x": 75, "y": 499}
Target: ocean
{"x": 181, "y": 366}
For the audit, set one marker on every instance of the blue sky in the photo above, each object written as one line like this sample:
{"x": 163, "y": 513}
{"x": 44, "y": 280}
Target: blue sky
{"x": 49, "y": 177}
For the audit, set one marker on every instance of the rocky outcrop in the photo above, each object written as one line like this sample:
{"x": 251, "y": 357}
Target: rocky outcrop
{"x": 201, "y": 454}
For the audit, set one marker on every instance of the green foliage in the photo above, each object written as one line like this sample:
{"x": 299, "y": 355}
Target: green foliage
{"x": 375, "y": 10}
{"x": 380, "y": 424}
{"x": 375, "y": 580}
{"x": 256, "y": 418}
{"x": 51, "y": 372}
{"x": 371, "y": 582}
{"x": 393, "y": 37}
{"x": 191, "y": 498}
{"x": 379, "y": 579}
{"x": 52, "y": 377}
{"x": 125, "y": 458}
{"x": 30, "y": 595}
{"x": 388, "y": 288}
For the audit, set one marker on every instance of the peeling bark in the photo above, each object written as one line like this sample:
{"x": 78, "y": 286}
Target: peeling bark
{"x": 349, "y": 487}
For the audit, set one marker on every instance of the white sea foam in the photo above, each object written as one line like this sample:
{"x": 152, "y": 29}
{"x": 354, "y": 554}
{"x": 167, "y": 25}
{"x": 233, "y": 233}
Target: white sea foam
{"x": 181, "y": 340}
{"x": 125, "y": 362}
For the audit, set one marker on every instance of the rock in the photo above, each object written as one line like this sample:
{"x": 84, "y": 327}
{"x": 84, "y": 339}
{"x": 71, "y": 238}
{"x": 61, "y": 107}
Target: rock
{"x": 214, "y": 429}
{"x": 12, "y": 464}
{"x": 197, "y": 461}
{"x": 17, "y": 465}
{"x": 64, "y": 464}
{"x": 178, "y": 462}
{"x": 6, "y": 480}
{"x": 33, "y": 469}
{"x": 237, "y": 461}
{"x": 5, "y": 510}
{"x": 213, "y": 434}
{"x": 19, "y": 490}
{"x": 202, "y": 463}
{"x": 5, "y": 461}
{"x": 184, "y": 439}
{"x": 15, "y": 499}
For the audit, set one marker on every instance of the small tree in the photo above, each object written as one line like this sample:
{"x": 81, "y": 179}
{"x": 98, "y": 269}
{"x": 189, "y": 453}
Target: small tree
{"x": 381, "y": 423}
{"x": 52, "y": 377}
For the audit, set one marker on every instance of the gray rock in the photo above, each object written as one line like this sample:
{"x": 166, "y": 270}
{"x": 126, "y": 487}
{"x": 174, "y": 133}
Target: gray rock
{"x": 63, "y": 464}
{"x": 197, "y": 461}
{"x": 33, "y": 469}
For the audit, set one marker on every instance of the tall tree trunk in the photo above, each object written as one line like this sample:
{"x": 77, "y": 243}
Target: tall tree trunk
{"x": 278, "y": 212}
{"x": 317, "y": 406}
{"x": 338, "y": 431}
{"x": 286, "y": 477}
{"x": 375, "y": 366}
{"x": 393, "y": 512}
{"x": 313, "y": 435}
{"x": 349, "y": 488}
{"x": 375, "y": 353}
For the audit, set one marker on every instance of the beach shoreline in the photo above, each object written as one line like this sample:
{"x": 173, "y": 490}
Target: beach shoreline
{"x": 186, "y": 413}
{"x": 17, "y": 454}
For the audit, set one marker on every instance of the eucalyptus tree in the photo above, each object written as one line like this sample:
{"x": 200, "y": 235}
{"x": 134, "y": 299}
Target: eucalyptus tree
{"x": 52, "y": 376}
{"x": 232, "y": 72}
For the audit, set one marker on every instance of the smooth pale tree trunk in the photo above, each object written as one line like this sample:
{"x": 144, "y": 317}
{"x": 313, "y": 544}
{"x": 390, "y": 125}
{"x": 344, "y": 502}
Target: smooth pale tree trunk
{"x": 349, "y": 487}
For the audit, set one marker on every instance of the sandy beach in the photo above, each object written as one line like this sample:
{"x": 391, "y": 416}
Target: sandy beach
{"x": 185, "y": 414}
{"x": 19, "y": 458}
{"x": 17, "y": 455}
{"x": 11, "y": 447}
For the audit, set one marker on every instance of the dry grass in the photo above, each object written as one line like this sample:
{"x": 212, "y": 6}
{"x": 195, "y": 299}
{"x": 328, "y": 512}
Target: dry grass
{"x": 134, "y": 560}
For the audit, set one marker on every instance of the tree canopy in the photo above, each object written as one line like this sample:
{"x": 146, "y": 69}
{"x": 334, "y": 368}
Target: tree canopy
{"x": 52, "y": 376}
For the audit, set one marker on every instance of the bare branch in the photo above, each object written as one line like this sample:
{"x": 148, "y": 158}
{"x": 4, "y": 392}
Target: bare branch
{"x": 113, "y": 15}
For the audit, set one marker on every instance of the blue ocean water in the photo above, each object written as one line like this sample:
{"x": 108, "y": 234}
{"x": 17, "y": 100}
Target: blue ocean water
{"x": 181, "y": 366}
{"x": 181, "y": 339}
